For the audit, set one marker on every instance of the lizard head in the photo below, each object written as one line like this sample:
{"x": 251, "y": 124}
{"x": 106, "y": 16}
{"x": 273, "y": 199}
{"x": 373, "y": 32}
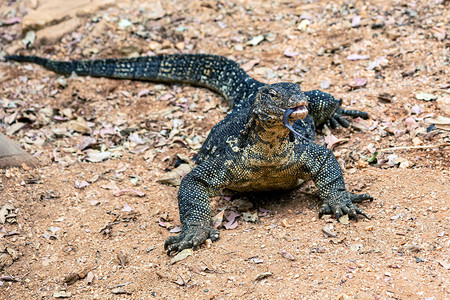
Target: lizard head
{"x": 274, "y": 100}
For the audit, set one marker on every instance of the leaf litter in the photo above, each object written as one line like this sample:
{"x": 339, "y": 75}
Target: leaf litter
{"x": 407, "y": 35}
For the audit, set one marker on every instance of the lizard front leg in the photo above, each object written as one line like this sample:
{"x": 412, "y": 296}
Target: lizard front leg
{"x": 196, "y": 188}
{"x": 326, "y": 173}
{"x": 325, "y": 109}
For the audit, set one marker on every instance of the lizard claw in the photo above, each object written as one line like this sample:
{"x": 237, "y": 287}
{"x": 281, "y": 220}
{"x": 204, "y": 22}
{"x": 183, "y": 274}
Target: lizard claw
{"x": 337, "y": 120}
{"x": 345, "y": 206}
{"x": 192, "y": 237}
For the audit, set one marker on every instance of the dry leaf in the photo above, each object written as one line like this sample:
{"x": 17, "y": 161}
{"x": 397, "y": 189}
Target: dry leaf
{"x": 81, "y": 184}
{"x": 174, "y": 177}
{"x": 217, "y": 220}
{"x": 357, "y": 57}
{"x": 287, "y": 255}
{"x": 181, "y": 256}
{"x": 250, "y": 64}
{"x": 440, "y": 122}
{"x": 262, "y": 276}
{"x": 121, "y": 192}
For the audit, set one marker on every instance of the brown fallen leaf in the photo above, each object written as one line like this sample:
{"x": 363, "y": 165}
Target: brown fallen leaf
{"x": 386, "y": 97}
{"x": 440, "y": 122}
{"x": 287, "y": 255}
{"x": 120, "y": 291}
{"x": 81, "y": 184}
{"x": 5, "y": 211}
{"x": 232, "y": 221}
{"x": 110, "y": 186}
{"x": 250, "y": 64}
{"x": 181, "y": 256}
{"x": 248, "y": 217}
{"x": 332, "y": 141}
{"x": 242, "y": 205}
{"x": 262, "y": 276}
{"x": 217, "y": 220}
{"x": 328, "y": 231}
{"x": 444, "y": 264}
{"x": 358, "y": 83}
{"x": 79, "y": 125}
{"x": 75, "y": 276}
{"x": 174, "y": 177}
{"x": 122, "y": 259}
{"x": 121, "y": 192}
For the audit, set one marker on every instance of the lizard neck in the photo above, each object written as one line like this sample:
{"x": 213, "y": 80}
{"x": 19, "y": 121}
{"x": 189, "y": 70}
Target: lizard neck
{"x": 270, "y": 137}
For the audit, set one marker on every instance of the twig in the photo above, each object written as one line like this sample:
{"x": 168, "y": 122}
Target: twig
{"x": 413, "y": 147}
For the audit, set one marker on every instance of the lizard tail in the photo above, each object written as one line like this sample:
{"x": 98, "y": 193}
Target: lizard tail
{"x": 211, "y": 71}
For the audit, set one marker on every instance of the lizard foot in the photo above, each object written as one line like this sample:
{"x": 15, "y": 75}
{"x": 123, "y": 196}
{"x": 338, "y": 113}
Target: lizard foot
{"x": 192, "y": 237}
{"x": 337, "y": 120}
{"x": 345, "y": 206}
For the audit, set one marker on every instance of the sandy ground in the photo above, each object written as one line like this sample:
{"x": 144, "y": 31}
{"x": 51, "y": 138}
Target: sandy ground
{"x": 71, "y": 230}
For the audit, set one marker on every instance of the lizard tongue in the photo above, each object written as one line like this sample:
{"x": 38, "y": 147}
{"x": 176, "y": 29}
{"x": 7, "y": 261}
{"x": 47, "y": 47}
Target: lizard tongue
{"x": 288, "y": 125}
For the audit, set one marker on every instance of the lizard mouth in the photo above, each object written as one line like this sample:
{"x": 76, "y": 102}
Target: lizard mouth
{"x": 297, "y": 112}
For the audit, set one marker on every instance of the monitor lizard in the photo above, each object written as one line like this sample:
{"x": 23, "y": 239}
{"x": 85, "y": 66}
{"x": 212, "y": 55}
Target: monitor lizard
{"x": 254, "y": 148}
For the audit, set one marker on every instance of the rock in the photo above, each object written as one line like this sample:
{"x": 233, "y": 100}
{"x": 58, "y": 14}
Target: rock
{"x": 51, "y": 12}
{"x": 11, "y": 155}
{"x": 52, "y": 34}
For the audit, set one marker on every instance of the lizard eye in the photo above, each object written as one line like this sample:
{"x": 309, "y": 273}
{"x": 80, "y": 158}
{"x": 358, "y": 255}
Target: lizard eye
{"x": 272, "y": 93}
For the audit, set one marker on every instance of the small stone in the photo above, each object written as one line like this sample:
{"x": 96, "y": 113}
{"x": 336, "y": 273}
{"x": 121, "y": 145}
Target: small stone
{"x": 369, "y": 228}
{"x": 325, "y": 84}
{"x": 425, "y": 96}
{"x": 303, "y": 25}
{"x": 256, "y": 40}
{"x": 51, "y": 35}
{"x": 90, "y": 277}
{"x": 124, "y": 24}
{"x": 412, "y": 247}
{"x": 62, "y": 294}
{"x": 361, "y": 164}
{"x": 344, "y": 220}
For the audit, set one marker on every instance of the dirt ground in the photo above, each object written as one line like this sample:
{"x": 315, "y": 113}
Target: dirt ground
{"x": 91, "y": 222}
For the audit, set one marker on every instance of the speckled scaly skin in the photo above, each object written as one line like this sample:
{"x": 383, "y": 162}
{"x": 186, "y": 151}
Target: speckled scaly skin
{"x": 251, "y": 149}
